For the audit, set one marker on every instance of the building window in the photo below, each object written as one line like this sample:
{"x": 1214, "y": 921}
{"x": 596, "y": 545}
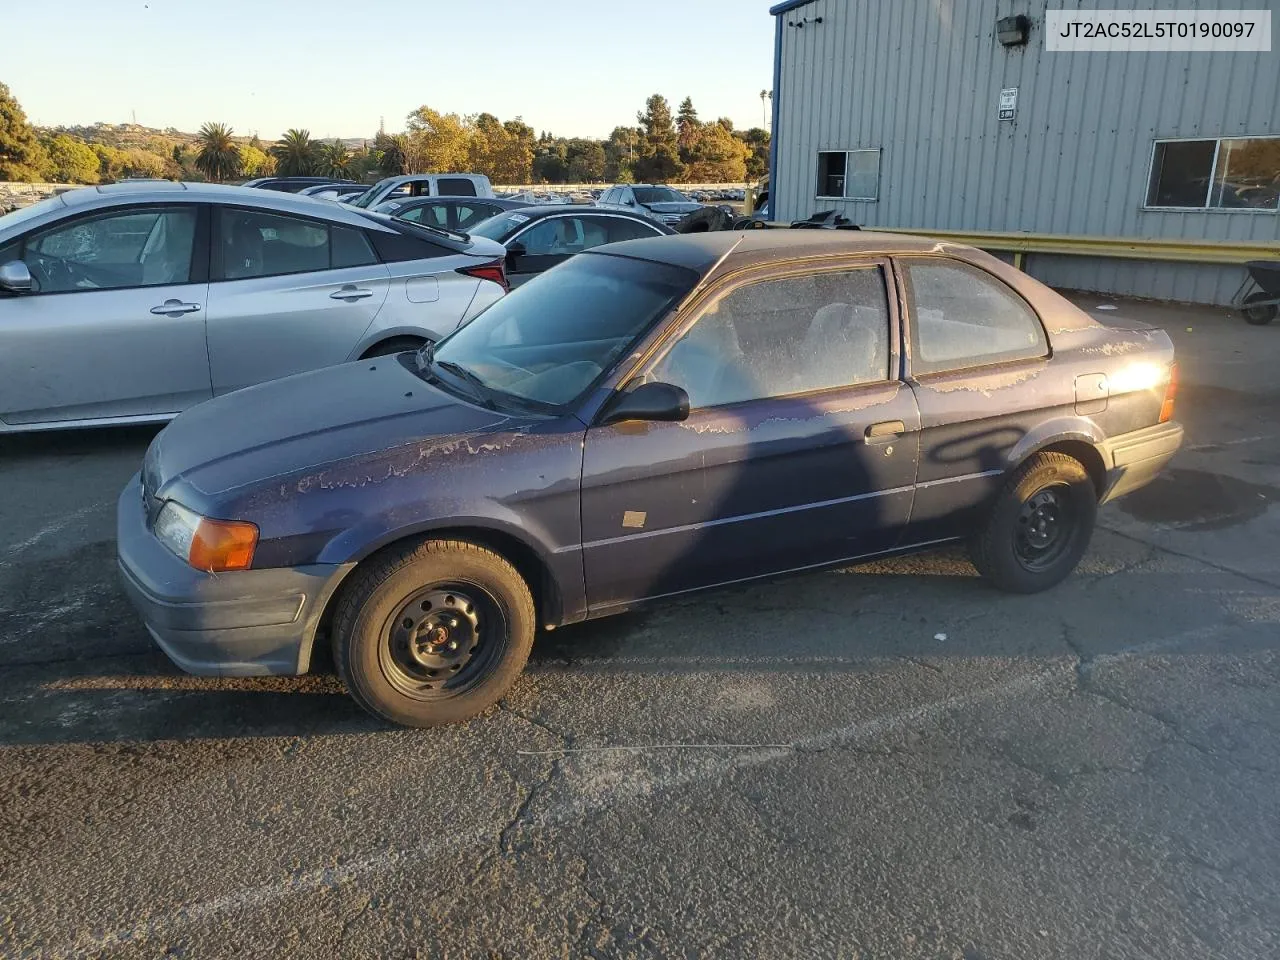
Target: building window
{"x": 1240, "y": 173}
{"x": 849, "y": 174}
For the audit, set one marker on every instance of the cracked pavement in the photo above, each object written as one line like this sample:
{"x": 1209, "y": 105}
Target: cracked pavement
{"x": 787, "y": 769}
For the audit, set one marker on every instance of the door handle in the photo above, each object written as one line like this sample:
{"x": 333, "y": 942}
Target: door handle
{"x": 351, "y": 293}
{"x": 174, "y": 308}
{"x": 885, "y": 430}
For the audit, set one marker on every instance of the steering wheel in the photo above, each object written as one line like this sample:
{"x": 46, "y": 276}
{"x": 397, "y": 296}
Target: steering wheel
{"x": 52, "y": 274}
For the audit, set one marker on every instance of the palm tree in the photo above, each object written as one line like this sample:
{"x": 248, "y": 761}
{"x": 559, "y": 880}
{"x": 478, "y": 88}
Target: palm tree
{"x": 218, "y": 157}
{"x": 334, "y": 161}
{"x": 394, "y": 149}
{"x": 295, "y": 154}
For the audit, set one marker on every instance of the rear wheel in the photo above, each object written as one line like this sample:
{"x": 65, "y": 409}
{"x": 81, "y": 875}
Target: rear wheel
{"x": 1039, "y": 526}
{"x": 1258, "y": 314}
{"x": 389, "y": 348}
{"x": 432, "y": 633}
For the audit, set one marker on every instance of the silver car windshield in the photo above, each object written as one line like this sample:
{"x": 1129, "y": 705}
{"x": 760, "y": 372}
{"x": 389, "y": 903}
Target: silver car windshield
{"x": 555, "y": 336}
{"x": 23, "y": 214}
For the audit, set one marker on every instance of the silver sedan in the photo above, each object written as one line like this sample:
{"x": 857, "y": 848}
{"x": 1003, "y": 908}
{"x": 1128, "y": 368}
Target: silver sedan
{"x": 129, "y": 303}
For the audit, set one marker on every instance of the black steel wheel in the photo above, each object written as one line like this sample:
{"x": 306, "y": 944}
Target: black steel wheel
{"x": 1044, "y": 528}
{"x": 432, "y": 632}
{"x": 440, "y": 642}
{"x": 1256, "y": 313}
{"x": 1039, "y": 525}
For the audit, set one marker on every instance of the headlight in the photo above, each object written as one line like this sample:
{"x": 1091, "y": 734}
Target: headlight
{"x": 213, "y": 545}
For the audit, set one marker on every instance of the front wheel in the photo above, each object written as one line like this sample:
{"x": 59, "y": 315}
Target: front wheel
{"x": 433, "y": 632}
{"x": 1256, "y": 313}
{"x": 1039, "y": 526}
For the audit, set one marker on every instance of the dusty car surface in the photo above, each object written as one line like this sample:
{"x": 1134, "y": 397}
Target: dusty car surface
{"x": 650, "y": 418}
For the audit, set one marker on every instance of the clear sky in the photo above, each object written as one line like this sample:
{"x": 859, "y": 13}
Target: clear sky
{"x": 573, "y": 67}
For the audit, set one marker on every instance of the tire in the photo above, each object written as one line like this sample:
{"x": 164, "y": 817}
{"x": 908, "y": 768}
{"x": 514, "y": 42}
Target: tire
{"x": 398, "y": 617}
{"x": 706, "y": 220}
{"x": 1256, "y": 314}
{"x": 389, "y": 348}
{"x": 1039, "y": 526}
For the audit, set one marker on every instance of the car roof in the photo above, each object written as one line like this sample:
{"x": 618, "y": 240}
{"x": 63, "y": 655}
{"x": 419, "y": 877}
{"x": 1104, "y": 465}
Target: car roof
{"x": 533, "y": 211}
{"x": 139, "y": 191}
{"x": 702, "y": 252}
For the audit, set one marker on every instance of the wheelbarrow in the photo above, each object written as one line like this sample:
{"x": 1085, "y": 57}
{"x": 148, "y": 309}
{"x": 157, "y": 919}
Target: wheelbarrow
{"x": 1259, "y": 305}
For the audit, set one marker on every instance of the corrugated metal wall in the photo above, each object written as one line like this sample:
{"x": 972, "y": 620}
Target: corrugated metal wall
{"x": 920, "y": 80}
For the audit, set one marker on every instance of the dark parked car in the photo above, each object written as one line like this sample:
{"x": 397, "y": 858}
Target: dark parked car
{"x": 662, "y": 203}
{"x": 448, "y": 213}
{"x": 538, "y": 238}
{"x": 650, "y": 418}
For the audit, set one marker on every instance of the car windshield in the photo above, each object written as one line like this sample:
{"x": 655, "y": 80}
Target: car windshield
{"x": 366, "y": 198}
{"x": 660, "y": 195}
{"x": 551, "y": 339}
{"x": 499, "y": 227}
{"x": 23, "y": 214}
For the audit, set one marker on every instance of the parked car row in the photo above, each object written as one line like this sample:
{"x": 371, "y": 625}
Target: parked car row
{"x": 129, "y": 303}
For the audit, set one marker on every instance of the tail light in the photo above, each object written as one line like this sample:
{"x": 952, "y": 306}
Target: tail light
{"x": 495, "y": 271}
{"x": 1170, "y": 394}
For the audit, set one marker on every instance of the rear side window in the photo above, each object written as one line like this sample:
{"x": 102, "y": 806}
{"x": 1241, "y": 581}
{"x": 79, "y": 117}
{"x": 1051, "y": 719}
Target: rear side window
{"x": 397, "y": 247}
{"x": 621, "y": 228}
{"x": 962, "y": 317}
{"x": 351, "y": 248}
{"x": 455, "y": 187}
{"x": 256, "y": 244}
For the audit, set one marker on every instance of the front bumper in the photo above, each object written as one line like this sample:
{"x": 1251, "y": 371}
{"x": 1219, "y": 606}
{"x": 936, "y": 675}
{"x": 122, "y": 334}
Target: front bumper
{"x": 247, "y": 623}
{"x": 1134, "y": 459}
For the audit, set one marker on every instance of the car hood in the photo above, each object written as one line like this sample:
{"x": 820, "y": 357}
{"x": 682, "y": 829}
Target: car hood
{"x": 674, "y": 206}
{"x": 254, "y": 435}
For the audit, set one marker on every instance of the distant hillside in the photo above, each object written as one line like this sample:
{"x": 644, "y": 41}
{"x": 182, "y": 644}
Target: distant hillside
{"x": 130, "y": 136}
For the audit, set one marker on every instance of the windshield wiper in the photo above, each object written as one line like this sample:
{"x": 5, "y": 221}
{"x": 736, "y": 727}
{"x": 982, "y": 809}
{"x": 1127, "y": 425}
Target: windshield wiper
{"x": 484, "y": 392}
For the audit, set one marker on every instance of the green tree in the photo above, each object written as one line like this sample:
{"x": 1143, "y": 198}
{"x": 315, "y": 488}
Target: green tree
{"x": 687, "y": 127}
{"x": 757, "y": 141}
{"x": 255, "y": 162}
{"x": 393, "y": 152}
{"x": 438, "y": 142}
{"x": 295, "y": 154}
{"x": 619, "y": 153}
{"x": 218, "y": 157}
{"x": 71, "y": 160}
{"x": 586, "y": 160}
{"x": 660, "y": 160}
{"x": 142, "y": 163}
{"x": 551, "y": 164}
{"x": 334, "y": 160}
{"x": 21, "y": 155}
{"x": 717, "y": 157}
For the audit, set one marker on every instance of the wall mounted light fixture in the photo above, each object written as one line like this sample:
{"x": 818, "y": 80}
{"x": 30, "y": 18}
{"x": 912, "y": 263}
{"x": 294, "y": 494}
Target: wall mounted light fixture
{"x": 1013, "y": 31}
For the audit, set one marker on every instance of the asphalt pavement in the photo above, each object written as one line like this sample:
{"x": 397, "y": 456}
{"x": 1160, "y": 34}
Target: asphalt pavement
{"x": 886, "y": 761}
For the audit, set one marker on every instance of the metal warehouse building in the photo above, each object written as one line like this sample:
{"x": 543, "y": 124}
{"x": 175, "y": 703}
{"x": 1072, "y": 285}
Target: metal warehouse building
{"x": 1152, "y": 174}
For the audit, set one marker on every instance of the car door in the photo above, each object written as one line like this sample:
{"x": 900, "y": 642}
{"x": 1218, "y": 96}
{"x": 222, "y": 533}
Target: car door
{"x": 116, "y": 325}
{"x": 800, "y": 447}
{"x": 288, "y": 294}
{"x": 977, "y": 355}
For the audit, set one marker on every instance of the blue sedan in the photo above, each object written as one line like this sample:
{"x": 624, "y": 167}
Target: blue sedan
{"x": 647, "y": 419}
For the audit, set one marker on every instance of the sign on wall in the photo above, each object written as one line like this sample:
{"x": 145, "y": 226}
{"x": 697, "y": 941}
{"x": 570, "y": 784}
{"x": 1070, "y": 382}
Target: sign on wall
{"x": 1008, "y": 103}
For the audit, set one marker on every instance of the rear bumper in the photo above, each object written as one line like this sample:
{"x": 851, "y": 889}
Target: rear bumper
{"x": 1134, "y": 459}
{"x": 248, "y": 623}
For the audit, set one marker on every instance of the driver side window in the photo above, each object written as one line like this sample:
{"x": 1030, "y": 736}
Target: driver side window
{"x": 128, "y": 248}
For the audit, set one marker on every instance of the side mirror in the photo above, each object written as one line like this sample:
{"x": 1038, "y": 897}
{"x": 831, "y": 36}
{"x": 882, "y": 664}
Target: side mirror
{"x": 658, "y": 402}
{"x": 15, "y": 277}
{"x": 515, "y": 251}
